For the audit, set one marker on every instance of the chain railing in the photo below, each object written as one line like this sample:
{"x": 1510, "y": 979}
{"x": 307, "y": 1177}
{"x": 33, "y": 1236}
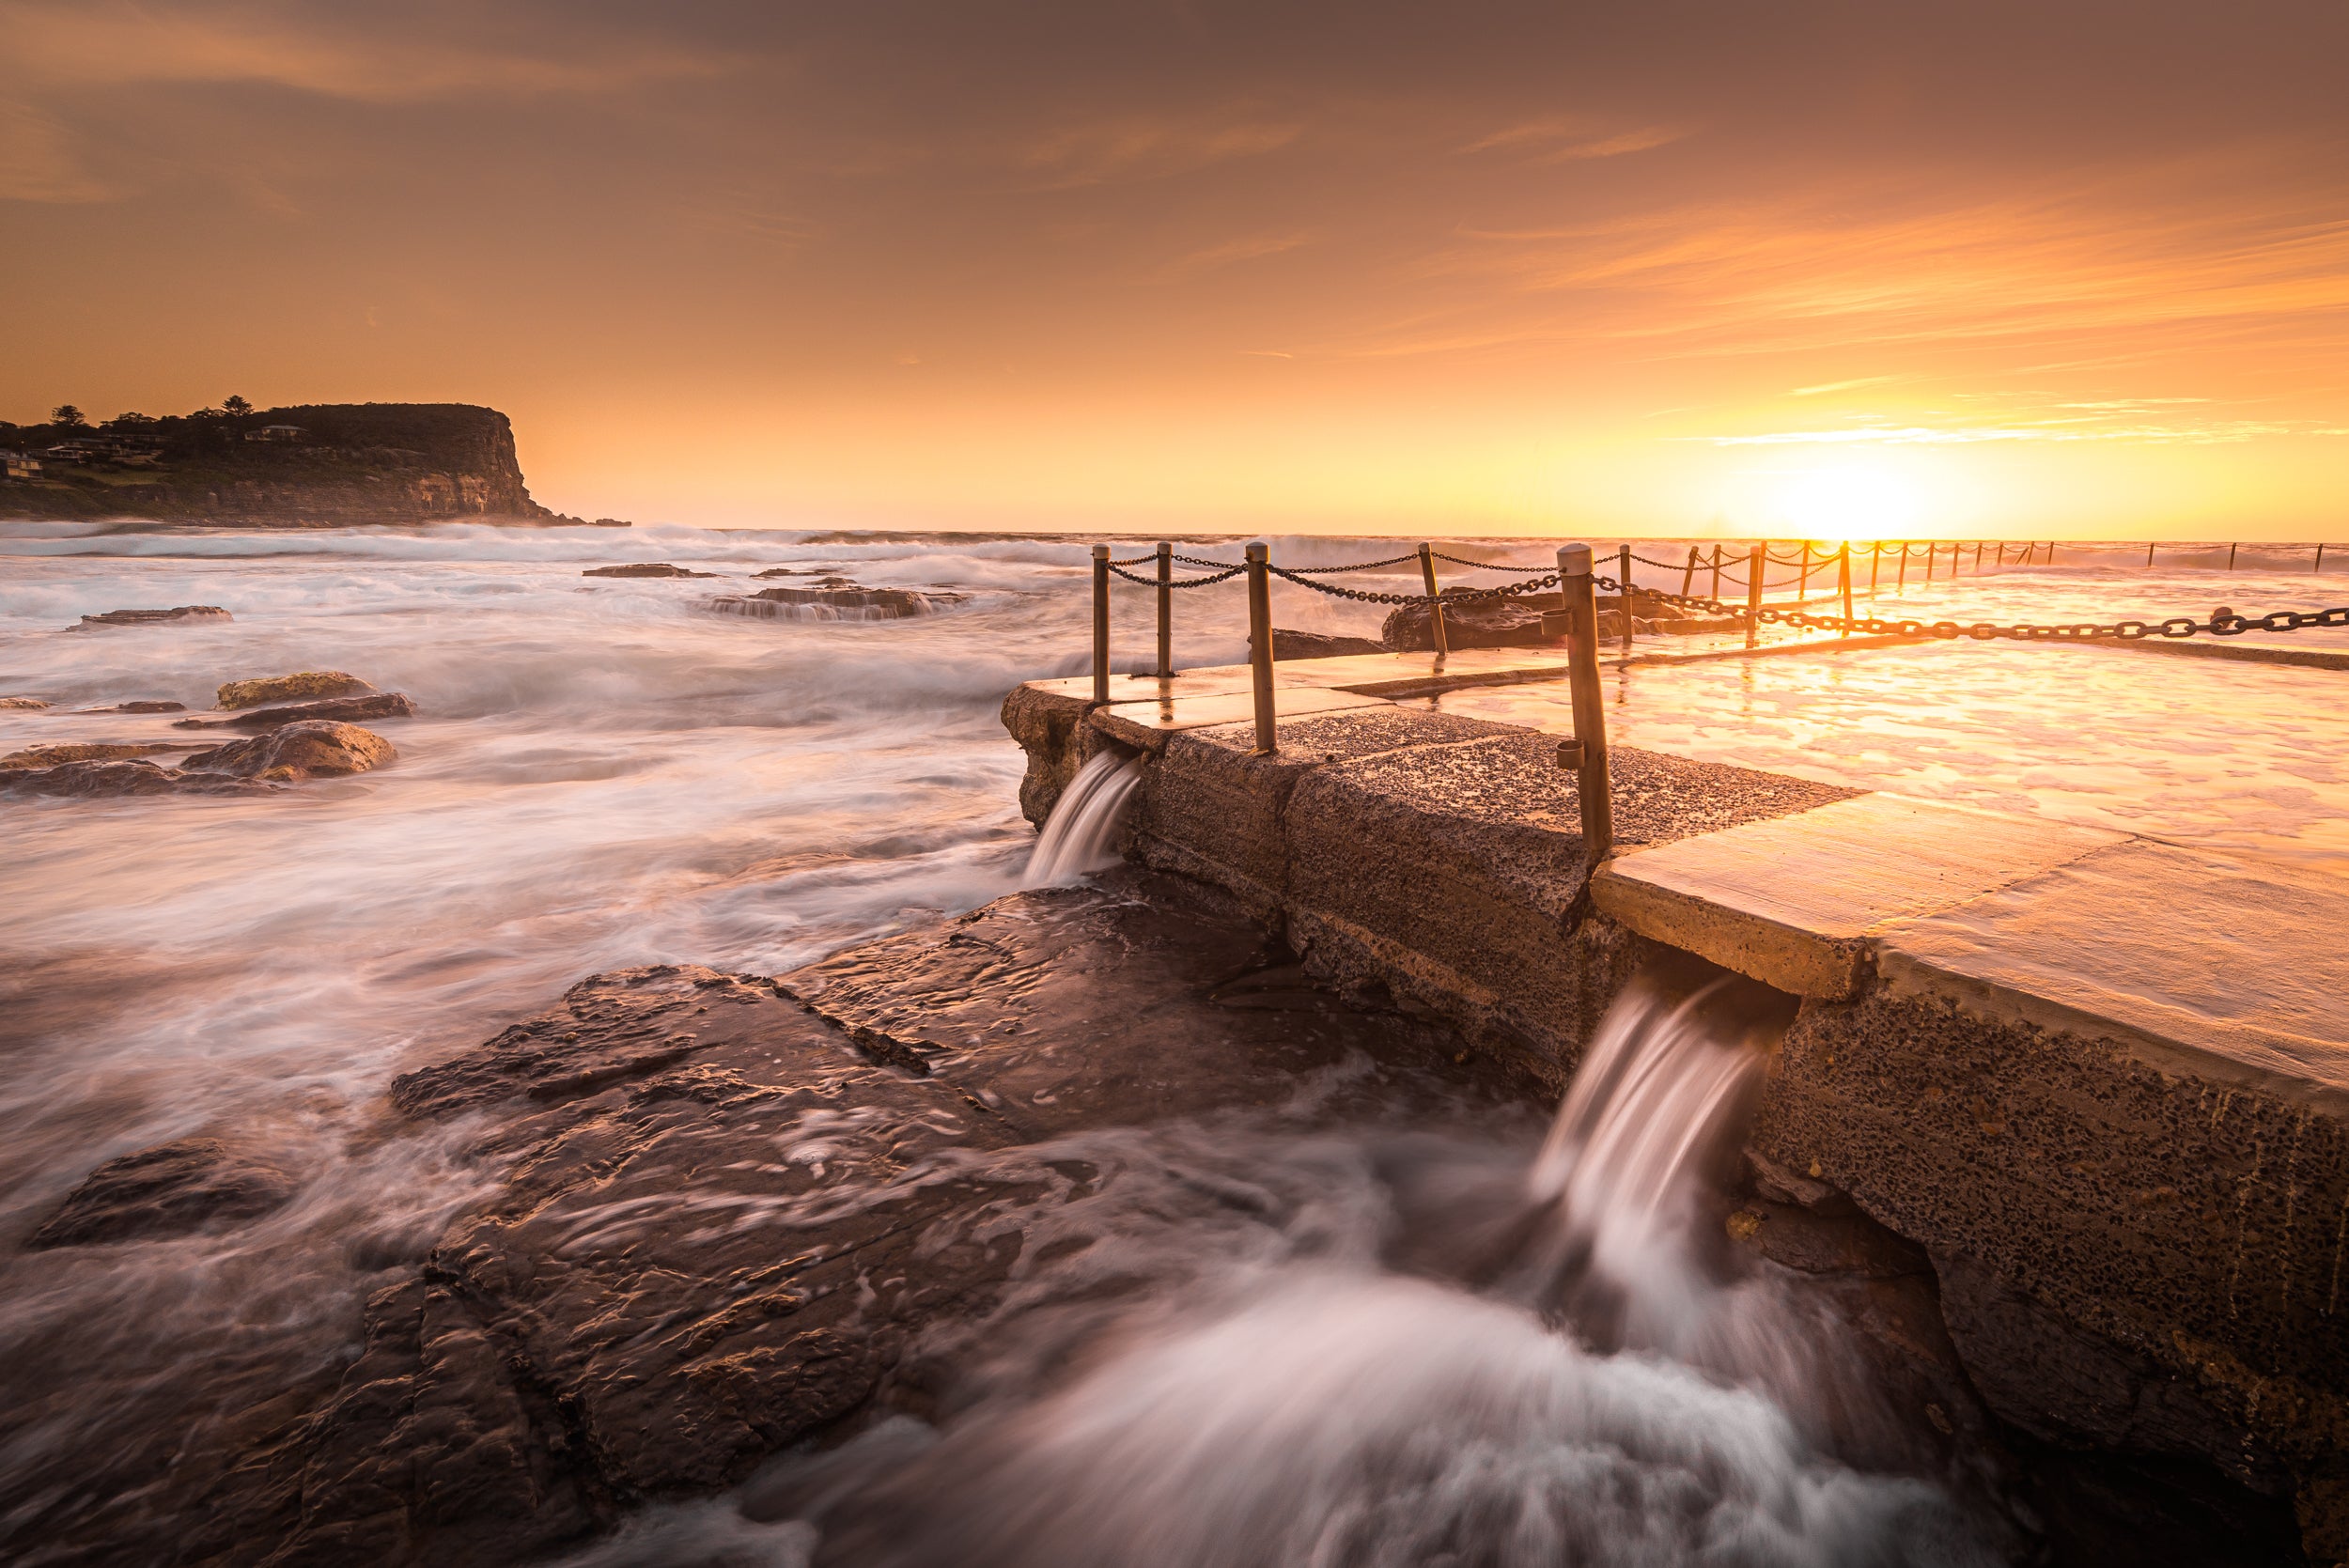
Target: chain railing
{"x": 1576, "y": 584}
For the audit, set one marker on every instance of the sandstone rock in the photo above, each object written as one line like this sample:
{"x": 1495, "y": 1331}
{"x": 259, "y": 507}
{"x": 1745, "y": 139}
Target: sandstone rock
{"x": 299, "y": 687}
{"x": 147, "y": 706}
{"x": 157, "y": 617}
{"x": 849, "y": 603}
{"x": 382, "y": 705}
{"x": 21, "y": 703}
{"x": 166, "y": 1190}
{"x": 1516, "y": 621}
{"x": 1316, "y": 645}
{"x": 312, "y": 748}
{"x": 644, "y": 569}
{"x": 89, "y": 751}
{"x": 823, "y": 579}
{"x": 98, "y": 779}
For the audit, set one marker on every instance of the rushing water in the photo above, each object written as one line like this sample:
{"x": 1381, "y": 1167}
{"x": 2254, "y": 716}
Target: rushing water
{"x": 604, "y": 772}
{"x": 1080, "y": 835}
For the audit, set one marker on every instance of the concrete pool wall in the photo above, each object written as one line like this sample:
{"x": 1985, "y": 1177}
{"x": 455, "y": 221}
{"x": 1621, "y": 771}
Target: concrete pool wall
{"x": 2099, "y": 1078}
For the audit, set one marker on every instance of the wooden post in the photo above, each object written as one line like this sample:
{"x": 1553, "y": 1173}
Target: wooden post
{"x": 1166, "y": 610}
{"x": 2320, "y": 558}
{"x": 1977, "y": 557}
{"x": 1623, "y": 575}
{"x": 1101, "y": 623}
{"x": 1802, "y": 583}
{"x": 1716, "y": 594}
{"x": 1875, "y": 560}
{"x": 2231, "y": 550}
{"x": 2149, "y": 557}
{"x": 1435, "y": 612}
{"x": 1902, "y": 585}
{"x": 1756, "y": 562}
{"x": 1590, "y": 708}
{"x": 1260, "y": 644}
{"x": 1688, "y": 573}
{"x": 1932, "y": 548}
{"x": 1843, "y": 578}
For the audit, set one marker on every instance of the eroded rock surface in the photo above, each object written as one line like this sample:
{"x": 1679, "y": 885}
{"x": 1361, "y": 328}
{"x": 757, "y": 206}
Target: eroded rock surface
{"x": 1316, "y": 645}
{"x": 166, "y": 1190}
{"x": 644, "y": 569}
{"x": 158, "y": 618}
{"x": 381, "y": 705}
{"x": 143, "y": 706}
{"x": 845, "y": 603}
{"x": 301, "y": 686}
{"x": 312, "y": 748}
{"x": 1516, "y": 621}
{"x": 87, "y": 750}
{"x": 27, "y": 702}
{"x": 102, "y": 778}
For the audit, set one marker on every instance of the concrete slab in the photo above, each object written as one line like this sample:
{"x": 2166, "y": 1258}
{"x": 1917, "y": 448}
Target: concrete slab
{"x": 1147, "y": 723}
{"x": 2211, "y": 964}
{"x": 1793, "y": 901}
{"x": 1207, "y": 681}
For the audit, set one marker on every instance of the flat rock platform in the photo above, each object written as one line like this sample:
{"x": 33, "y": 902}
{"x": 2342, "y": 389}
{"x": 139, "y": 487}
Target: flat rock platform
{"x": 2102, "y": 1079}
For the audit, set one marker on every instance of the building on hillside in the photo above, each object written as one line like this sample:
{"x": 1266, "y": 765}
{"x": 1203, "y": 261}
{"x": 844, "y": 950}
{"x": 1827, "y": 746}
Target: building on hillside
{"x": 276, "y": 432}
{"x": 19, "y": 466}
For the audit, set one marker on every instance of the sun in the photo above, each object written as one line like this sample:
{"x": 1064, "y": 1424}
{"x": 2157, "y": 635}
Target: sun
{"x": 1837, "y": 504}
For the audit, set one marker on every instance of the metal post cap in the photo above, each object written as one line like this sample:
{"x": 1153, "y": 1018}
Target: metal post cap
{"x": 1574, "y": 560}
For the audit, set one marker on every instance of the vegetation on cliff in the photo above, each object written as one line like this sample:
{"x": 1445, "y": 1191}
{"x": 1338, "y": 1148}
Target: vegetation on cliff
{"x": 318, "y": 465}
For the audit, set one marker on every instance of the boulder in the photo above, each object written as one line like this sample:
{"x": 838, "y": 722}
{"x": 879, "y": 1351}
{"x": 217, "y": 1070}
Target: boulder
{"x": 644, "y": 569}
{"x": 92, "y": 779}
{"x": 1516, "y": 621}
{"x": 311, "y": 749}
{"x": 382, "y": 705}
{"x": 157, "y": 617}
{"x": 299, "y": 687}
{"x": 21, "y": 703}
{"x": 1316, "y": 645}
{"x": 849, "y": 603}
{"x": 148, "y": 705}
{"x": 87, "y": 750}
{"x": 169, "y": 1189}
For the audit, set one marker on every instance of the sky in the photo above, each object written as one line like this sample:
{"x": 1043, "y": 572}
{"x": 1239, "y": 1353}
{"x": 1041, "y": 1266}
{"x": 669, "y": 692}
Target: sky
{"x": 1907, "y": 268}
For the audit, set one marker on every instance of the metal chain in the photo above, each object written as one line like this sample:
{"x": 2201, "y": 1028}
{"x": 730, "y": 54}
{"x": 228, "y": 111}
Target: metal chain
{"x": 1483, "y": 566}
{"x": 1116, "y": 570}
{"x": 1457, "y": 596}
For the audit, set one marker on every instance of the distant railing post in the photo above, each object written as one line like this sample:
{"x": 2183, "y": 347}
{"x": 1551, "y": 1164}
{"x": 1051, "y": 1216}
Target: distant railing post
{"x": 1260, "y": 644}
{"x": 1843, "y": 578}
{"x": 1802, "y": 583}
{"x": 1623, "y": 571}
{"x": 1900, "y": 584}
{"x": 1875, "y": 559}
{"x": 2320, "y": 556}
{"x": 1757, "y": 561}
{"x": 2231, "y": 550}
{"x": 1166, "y": 610}
{"x": 1977, "y": 557}
{"x": 1590, "y": 709}
{"x": 1932, "y": 548}
{"x": 1101, "y": 623}
{"x": 1688, "y": 573}
{"x": 1716, "y": 594}
{"x": 1435, "y": 612}
{"x": 2148, "y": 556}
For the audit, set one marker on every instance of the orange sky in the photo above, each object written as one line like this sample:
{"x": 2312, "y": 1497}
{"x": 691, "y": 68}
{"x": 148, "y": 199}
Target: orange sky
{"x": 2047, "y": 269}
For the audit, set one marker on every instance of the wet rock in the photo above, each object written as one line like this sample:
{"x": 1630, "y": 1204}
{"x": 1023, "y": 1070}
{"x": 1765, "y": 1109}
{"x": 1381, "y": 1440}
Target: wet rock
{"x": 823, "y": 579}
{"x": 1315, "y": 645}
{"x": 848, "y": 603}
{"x": 158, "y": 618}
{"x": 644, "y": 569}
{"x": 145, "y": 706}
{"x": 1516, "y": 621}
{"x": 21, "y": 703}
{"x": 299, "y": 687}
{"x": 382, "y": 705}
{"x": 102, "y": 778}
{"x": 313, "y": 748}
{"x": 169, "y": 1189}
{"x": 90, "y": 751}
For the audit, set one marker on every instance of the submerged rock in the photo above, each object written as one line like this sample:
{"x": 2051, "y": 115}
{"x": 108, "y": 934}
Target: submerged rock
{"x": 21, "y": 703}
{"x": 298, "y": 687}
{"x": 157, "y": 617}
{"x": 644, "y": 569}
{"x": 311, "y": 748}
{"x": 849, "y": 603}
{"x": 92, "y": 779}
{"x": 169, "y": 1189}
{"x": 1516, "y": 621}
{"x": 382, "y": 705}
{"x": 147, "y": 706}
{"x": 87, "y": 750}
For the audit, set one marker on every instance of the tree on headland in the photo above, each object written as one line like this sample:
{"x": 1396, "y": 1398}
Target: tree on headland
{"x": 67, "y": 416}
{"x": 132, "y": 420}
{"x": 235, "y": 408}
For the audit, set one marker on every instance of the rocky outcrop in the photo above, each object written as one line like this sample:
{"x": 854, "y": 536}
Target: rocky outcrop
{"x": 349, "y": 463}
{"x": 150, "y": 706}
{"x": 87, "y": 750}
{"x": 158, "y": 617}
{"x": 166, "y": 1190}
{"x": 381, "y": 705}
{"x": 1315, "y": 645}
{"x": 850, "y": 603}
{"x": 1518, "y": 621}
{"x": 24, "y": 703}
{"x": 311, "y": 749}
{"x": 98, "y": 780}
{"x": 298, "y": 687}
{"x": 644, "y": 569}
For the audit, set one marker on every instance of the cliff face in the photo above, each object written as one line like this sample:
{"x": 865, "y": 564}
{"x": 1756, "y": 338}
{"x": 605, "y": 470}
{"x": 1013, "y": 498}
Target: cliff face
{"x": 315, "y": 465}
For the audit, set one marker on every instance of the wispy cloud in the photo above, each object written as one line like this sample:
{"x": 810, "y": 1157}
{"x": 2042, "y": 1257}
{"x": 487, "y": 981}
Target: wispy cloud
{"x": 1214, "y": 258}
{"x": 1565, "y": 141}
{"x": 1825, "y": 387}
{"x": 37, "y": 162}
{"x": 1108, "y": 151}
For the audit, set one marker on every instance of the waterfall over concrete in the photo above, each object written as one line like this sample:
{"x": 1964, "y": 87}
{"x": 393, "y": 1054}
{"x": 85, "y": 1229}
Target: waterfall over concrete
{"x": 1080, "y": 835}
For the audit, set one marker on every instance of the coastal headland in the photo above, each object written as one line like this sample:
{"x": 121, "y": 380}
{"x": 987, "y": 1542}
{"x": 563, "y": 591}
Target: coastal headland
{"x": 314, "y": 465}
